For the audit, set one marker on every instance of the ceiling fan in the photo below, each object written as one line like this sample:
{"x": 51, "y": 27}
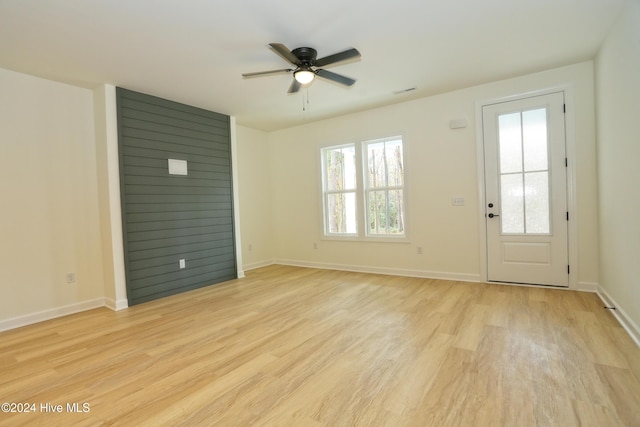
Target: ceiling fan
{"x": 304, "y": 59}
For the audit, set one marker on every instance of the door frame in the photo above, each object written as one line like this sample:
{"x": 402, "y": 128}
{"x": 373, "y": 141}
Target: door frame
{"x": 570, "y": 142}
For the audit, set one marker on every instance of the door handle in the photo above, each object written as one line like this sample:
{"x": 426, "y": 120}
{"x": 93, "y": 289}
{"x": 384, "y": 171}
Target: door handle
{"x": 491, "y": 215}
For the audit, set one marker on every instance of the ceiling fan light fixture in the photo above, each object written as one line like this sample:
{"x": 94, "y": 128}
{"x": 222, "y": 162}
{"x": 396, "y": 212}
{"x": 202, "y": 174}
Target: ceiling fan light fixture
{"x": 304, "y": 76}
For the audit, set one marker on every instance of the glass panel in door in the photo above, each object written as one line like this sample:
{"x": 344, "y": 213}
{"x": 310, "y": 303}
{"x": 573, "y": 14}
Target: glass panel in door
{"x": 524, "y": 172}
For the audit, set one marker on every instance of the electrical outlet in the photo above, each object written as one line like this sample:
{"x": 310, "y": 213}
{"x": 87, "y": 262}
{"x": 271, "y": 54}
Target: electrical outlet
{"x": 315, "y": 245}
{"x": 250, "y": 247}
{"x": 419, "y": 250}
{"x": 457, "y": 201}
{"x": 182, "y": 263}
{"x": 71, "y": 277}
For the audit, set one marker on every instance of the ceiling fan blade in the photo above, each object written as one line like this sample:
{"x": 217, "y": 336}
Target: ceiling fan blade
{"x": 285, "y": 53}
{"x": 338, "y": 78}
{"x": 266, "y": 73}
{"x": 337, "y": 57}
{"x": 295, "y": 86}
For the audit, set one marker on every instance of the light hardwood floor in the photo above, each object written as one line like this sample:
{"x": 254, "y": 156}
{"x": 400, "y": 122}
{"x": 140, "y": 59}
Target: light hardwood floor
{"x": 289, "y": 346}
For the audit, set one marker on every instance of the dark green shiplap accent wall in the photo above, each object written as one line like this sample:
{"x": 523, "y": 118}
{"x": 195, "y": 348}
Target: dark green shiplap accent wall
{"x": 169, "y": 217}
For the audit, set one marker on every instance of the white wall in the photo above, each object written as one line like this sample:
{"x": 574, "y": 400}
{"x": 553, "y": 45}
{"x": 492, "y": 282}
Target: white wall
{"x": 441, "y": 164}
{"x": 618, "y": 115}
{"x": 254, "y": 187}
{"x": 49, "y": 220}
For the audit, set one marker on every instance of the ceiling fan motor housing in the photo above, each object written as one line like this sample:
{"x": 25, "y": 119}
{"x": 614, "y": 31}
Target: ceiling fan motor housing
{"x": 306, "y": 55}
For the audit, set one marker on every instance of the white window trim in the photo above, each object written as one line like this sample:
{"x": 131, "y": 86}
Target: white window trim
{"x": 361, "y": 196}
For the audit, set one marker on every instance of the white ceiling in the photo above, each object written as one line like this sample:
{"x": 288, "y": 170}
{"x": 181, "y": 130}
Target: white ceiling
{"x": 194, "y": 51}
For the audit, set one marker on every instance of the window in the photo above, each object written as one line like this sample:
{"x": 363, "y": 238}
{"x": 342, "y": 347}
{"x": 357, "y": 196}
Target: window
{"x": 363, "y": 189}
{"x": 384, "y": 187}
{"x": 340, "y": 190}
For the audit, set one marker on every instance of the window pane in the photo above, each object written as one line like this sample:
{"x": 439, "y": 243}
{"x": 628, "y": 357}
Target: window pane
{"x": 395, "y": 168}
{"x": 386, "y": 212}
{"x": 396, "y": 212}
{"x": 534, "y": 130}
{"x": 511, "y": 198}
{"x": 536, "y": 194}
{"x": 510, "y": 141}
{"x": 340, "y": 164}
{"x": 377, "y": 173}
{"x": 385, "y": 161}
{"x": 341, "y": 213}
{"x": 377, "y": 212}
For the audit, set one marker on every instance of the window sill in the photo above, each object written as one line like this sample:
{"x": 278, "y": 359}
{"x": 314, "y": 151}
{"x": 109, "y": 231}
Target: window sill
{"x": 366, "y": 239}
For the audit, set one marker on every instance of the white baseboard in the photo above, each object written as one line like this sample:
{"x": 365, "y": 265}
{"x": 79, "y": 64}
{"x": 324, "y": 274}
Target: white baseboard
{"x": 258, "y": 264}
{"x": 116, "y": 305}
{"x": 463, "y": 277}
{"x": 587, "y": 287}
{"x": 41, "y": 316}
{"x": 627, "y": 323}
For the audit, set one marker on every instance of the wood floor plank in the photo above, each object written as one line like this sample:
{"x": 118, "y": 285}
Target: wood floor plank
{"x": 624, "y": 392}
{"x": 290, "y": 346}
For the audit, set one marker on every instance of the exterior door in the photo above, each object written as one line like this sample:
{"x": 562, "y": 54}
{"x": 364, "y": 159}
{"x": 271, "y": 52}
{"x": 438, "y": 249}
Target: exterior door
{"x": 526, "y": 191}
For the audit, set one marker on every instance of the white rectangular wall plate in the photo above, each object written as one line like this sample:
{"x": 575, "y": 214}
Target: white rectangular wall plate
{"x": 457, "y": 123}
{"x": 177, "y": 167}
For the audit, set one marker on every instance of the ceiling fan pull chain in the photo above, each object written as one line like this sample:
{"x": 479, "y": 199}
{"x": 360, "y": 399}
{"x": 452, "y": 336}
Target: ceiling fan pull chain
{"x": 305, "y": 102}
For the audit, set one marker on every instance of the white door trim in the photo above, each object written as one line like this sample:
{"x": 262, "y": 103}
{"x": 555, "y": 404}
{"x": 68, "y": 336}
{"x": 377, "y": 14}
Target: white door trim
{"x": 571, "y": 176}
